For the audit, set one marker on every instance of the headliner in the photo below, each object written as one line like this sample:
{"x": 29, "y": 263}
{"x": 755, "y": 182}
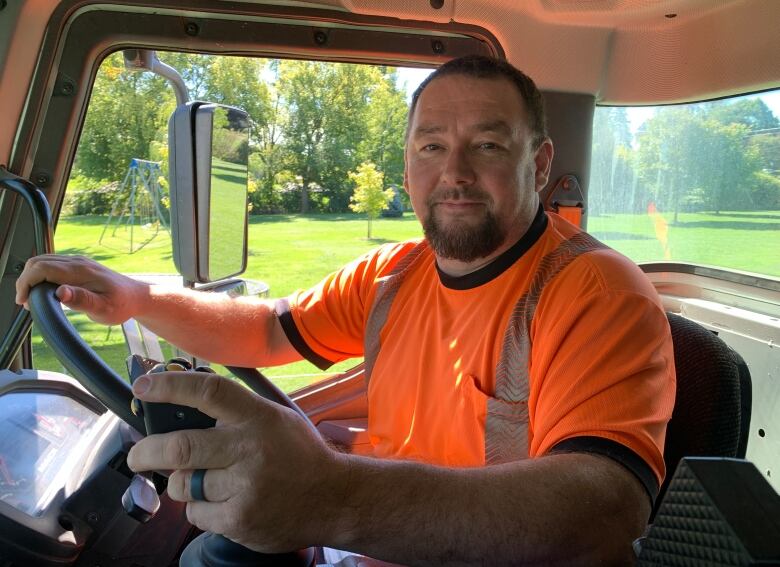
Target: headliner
{"x": 621, "y": 51}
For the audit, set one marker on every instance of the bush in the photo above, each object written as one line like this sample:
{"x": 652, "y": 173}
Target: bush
{"x": 289, "y": 193}
{"x": 85, "y": 196}
{"x": 765, "y": 193}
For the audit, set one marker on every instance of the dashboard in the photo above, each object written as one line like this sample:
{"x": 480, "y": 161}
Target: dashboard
{"x": 62, "y": 476}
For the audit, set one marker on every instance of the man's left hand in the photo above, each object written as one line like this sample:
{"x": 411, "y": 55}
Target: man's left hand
{"x": 269, "y": 476}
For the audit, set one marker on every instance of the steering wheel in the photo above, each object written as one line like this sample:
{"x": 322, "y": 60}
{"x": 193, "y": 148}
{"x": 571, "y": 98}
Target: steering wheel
{"x": 100, "y": 380}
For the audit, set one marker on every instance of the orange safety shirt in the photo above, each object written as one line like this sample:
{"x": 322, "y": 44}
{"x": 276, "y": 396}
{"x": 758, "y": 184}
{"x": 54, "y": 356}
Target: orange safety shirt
{"x": 559, "y": 344}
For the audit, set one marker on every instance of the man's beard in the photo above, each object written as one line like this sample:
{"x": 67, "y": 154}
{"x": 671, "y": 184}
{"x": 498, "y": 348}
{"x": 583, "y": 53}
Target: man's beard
{"x": 461, "y": 240}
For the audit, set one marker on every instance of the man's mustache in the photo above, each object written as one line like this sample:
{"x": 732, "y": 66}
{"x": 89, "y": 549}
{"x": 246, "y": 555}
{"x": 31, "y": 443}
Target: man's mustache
{"x": 458, "y": 193}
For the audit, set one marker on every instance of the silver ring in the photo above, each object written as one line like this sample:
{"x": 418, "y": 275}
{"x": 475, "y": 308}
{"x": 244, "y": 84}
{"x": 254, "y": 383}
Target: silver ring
{"x": 196, "y": 485}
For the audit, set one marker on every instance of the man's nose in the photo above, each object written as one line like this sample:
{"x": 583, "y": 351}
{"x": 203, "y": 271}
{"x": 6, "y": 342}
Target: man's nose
{"x": 458, "y": 169}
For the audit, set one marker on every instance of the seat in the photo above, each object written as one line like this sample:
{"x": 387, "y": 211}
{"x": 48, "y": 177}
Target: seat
{"x": 711, "y": 415}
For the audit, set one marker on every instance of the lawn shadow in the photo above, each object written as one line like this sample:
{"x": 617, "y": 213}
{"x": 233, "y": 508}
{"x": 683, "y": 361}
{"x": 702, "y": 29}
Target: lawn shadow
{"x": 335, "y": 217}
{"x": 748, "y": 216}
{"x": 379, "y": 240}
{"x": 85, "y": 220}
{"x": 620, "y": 236}
{"x": 733, "y": 225}
{"x": 265, "y": 219}
{"x": 80, "y": 252}
{"x": 230, "y": 178}
{"x": 323, "y": 217}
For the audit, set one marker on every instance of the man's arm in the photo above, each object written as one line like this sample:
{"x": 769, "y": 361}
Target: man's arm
{"x": 285, "y": 489}
{"x": 567, "y": 509}
{"x": 240, "y": 332}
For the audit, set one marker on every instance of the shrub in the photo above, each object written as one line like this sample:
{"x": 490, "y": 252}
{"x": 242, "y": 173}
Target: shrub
{"x": 86, "y": 196}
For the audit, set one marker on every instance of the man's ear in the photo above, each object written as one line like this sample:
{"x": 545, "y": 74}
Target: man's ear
{"x": 543, "y": 160}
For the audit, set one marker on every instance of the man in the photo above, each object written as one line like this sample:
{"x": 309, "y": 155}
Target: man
{"x": 507, "y": 338}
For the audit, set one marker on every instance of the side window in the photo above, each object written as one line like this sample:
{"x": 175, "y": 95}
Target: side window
{"x": 696, "y": 183}
{"x": 315, "y": 124}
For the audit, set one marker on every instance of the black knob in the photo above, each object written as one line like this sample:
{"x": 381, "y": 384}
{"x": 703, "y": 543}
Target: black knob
{"x": 140, "y": 500}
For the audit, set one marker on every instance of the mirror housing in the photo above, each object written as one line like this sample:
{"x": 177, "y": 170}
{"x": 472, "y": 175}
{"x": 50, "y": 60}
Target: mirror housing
{"x": 208, "y": 174}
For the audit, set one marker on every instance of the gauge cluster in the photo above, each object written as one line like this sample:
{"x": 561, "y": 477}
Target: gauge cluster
{"x": 54, "y": 439}
{"x": 39, "y": 431}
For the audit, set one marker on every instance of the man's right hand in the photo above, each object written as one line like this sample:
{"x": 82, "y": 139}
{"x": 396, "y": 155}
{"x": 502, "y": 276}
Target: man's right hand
{"x": 102, "y": 294}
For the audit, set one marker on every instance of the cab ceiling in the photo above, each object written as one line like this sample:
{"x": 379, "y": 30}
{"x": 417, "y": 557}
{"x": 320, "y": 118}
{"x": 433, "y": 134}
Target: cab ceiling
{"x": 621, "y": 51}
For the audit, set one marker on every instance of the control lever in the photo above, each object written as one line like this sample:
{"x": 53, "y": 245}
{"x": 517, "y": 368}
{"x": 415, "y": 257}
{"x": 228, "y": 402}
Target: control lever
{"x": 162, "y": 417}
{"x": 141, "y": 500}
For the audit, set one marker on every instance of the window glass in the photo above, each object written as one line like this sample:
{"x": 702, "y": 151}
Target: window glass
{"x": 314, "y": 123}
{"x": 696, "y": 183}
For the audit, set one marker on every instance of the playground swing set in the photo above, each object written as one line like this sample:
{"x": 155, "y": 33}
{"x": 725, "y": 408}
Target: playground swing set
{"x": 138, "y": 206}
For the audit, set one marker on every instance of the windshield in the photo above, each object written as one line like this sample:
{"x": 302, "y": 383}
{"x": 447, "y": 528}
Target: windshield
{"x": 697, "y": 183}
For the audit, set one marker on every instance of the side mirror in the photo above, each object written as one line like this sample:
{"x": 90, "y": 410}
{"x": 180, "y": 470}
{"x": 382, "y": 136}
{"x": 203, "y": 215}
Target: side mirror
{"x": 208, "y": 166}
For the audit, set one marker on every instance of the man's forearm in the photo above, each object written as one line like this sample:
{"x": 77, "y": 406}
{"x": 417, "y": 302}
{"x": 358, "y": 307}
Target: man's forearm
{"x": 564, "y": 509}
{"x": 234, "y": 331}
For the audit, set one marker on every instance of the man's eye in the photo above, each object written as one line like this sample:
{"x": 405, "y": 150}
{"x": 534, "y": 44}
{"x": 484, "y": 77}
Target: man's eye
{"x": 431, "y": 147}
{"x": 488, "y": 146}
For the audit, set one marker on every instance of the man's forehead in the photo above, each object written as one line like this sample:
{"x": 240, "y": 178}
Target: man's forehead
{"x": 484, "y": 102}
{"x": 425, "y": 126}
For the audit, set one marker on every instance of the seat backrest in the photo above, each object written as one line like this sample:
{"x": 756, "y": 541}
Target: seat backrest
{"x": 711, "y": 414}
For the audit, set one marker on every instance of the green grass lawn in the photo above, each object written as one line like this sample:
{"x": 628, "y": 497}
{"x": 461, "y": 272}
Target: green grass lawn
{"x": 748, "y": 241}
{"x": 290, "y": 252}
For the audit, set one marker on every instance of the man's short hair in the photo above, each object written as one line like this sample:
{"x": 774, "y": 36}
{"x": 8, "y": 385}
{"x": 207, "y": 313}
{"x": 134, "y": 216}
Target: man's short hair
{"x": 482, "y": 67}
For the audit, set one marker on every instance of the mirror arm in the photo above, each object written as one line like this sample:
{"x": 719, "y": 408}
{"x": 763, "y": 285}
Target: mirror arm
{"x": 146, "y": 60}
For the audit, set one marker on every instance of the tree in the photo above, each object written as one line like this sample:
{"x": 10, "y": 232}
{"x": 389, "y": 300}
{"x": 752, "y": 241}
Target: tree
{"x": 346, "y": 116}
{"x": 727, "y": 167}
{"x": 339, "y": 116}
{"x": 369, "y": 197}
{"x": 613, "y": 180}
{"x": 385, "y": 129}
{"x": 752, "y": 113}
{"x": 666, "y": 145}
{"x": 124, "y": 117}
{"x": 305, "y": 85}
{"x": 267, "y": 163}
{"x": 688, "y": 159}
{"x": 767, "y": 148}
{"x": 238, "y": 81}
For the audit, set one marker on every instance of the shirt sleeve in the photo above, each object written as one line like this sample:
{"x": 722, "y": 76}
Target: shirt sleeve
{"x": 603, "y": 367}
{"x": 326, "y": 323}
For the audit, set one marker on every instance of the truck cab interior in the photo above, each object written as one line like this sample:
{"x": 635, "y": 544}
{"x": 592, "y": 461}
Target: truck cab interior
{"x": 618, "y": 78}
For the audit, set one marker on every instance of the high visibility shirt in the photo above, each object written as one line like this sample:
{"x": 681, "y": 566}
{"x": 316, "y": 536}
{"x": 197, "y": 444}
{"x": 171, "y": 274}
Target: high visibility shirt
{"x": 559, "y": 344}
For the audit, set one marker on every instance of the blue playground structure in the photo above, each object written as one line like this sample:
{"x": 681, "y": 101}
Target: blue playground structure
{"x": 138, "y": 205}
